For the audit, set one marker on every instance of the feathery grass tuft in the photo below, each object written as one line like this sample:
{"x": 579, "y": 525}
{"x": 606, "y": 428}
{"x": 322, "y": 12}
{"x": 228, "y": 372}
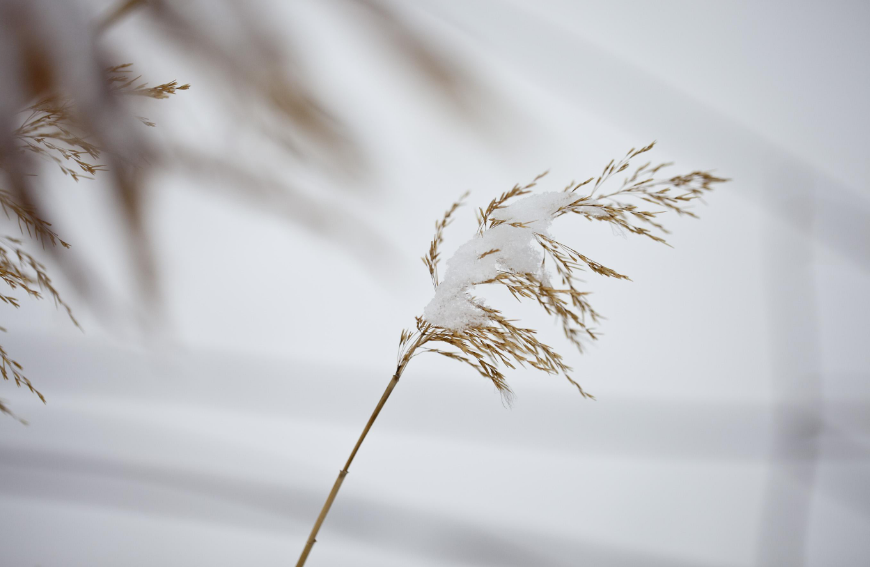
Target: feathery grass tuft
{"x": 513, "y": 248}
{"x": 481, "y": 336}
{"x": 50, "y": 131}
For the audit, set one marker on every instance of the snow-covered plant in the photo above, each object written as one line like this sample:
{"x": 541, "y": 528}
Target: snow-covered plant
{"x": 513, "y": 248}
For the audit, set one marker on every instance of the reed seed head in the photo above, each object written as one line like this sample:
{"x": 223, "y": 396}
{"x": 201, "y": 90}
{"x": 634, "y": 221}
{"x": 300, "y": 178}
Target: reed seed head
{"x": 513, "y": 248}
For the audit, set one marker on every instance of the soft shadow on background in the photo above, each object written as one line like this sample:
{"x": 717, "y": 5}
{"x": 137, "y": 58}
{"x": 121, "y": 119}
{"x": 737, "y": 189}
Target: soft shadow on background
{"x": 243, "y": 272}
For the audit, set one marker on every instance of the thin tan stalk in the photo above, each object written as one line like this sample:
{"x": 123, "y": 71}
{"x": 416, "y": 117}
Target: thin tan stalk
{"x": 343, "y": 472}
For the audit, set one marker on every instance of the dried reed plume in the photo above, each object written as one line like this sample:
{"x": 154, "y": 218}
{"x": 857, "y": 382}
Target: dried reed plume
{"x": 512, "y": 248}
{"x": 50, "y": 130}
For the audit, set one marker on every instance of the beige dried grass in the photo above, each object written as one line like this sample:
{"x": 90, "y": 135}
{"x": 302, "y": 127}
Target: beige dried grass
{"x": 52, "y": 131}
{"x": 500, "y": 342}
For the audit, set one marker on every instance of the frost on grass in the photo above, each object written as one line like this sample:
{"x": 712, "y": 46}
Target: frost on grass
{"x": 513, "y": 247}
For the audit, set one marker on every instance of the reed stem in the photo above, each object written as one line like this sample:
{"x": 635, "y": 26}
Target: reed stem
{"x": 343, "y": 472}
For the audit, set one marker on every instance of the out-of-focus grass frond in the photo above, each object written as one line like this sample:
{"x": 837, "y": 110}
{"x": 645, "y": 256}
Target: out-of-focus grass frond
{"x": 75, "y": 118}
{"x": 21, "y": 271}
{"x": 51, "y": 129}
{"x": 60, "y": 50}
{"x": 64, "y": 103}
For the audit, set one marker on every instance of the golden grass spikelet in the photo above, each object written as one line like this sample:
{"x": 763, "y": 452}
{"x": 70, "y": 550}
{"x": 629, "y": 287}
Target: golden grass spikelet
{"x": 51, "y": 130}
{"x": 431, "y": 258}
{"x": 28, "y": 222}
{"x": 483, "y": 216}
{"x": 121, "y": 81}
{"x": 20, "y": 270}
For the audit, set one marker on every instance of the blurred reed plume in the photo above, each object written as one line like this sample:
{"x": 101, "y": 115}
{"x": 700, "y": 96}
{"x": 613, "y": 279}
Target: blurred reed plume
{"x": 265, "y": 80}
{"x": 51, "y": 129}
{"x": 513, "y": 248}
{"x": 53, "y": 57}
{"x": 49, "y": 47}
